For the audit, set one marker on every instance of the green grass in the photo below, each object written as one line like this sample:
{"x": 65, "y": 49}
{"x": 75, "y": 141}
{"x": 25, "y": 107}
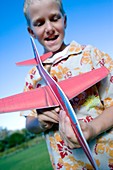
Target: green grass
{"x": 33, "y": 158}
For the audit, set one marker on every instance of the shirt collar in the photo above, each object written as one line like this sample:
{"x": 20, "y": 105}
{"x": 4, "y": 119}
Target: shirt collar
{"x": 73, "y": 48}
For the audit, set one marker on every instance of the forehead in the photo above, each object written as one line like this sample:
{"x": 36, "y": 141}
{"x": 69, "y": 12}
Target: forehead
{"x": 40, "y": 8}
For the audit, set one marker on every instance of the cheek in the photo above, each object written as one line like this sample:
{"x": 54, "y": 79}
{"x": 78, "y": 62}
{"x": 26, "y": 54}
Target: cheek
{"x": 38, "y": 33}
{"x": 62, "y": 31}
{"x": 61, "y": 28}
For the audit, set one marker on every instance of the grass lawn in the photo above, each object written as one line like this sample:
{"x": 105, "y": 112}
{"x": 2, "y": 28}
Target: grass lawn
{"x": 33, "y": 158}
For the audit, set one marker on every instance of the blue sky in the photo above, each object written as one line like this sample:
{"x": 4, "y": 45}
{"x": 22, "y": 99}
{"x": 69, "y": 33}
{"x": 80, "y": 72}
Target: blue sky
{"x": 89, "y": 22}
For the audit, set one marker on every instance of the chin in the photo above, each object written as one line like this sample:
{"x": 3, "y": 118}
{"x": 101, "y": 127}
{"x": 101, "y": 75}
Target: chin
{"x": 54, "y": 49}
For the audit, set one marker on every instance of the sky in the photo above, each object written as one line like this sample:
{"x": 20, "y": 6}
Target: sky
{"x": 88, "y": 22}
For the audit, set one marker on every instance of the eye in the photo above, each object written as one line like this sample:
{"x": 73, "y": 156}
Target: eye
{"x": 39, "y": 23}
{"x": 55, "y": 17}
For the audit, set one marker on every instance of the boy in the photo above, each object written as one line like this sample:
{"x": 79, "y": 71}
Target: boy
{"x": 47, "y": 22}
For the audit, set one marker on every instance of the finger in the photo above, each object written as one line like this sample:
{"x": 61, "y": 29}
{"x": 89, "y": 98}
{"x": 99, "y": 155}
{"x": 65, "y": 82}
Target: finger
{"x": 49, "y": 113}
{"x": 45, "y": 118}
{"x": 72, "y": 145}
{"x": 63, "y": 137}
{"x": 57, "y": 109}
{"x": 69, "y": 131}
{"x": 63, "y": 126}
{"x": 52, "y": 114}
{"x": 67, "y": 142}
{"x": 66, "y": 131}
{"x": 62, "y": 116}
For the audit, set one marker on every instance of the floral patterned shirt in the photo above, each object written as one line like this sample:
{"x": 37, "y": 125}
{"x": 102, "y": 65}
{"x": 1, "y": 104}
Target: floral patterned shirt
{"x": 75, "y": 60}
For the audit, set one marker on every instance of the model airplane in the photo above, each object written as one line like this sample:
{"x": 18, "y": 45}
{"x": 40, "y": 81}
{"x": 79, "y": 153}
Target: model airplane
{"x": 55, "y": 95}
{"x": 72, "y": 87}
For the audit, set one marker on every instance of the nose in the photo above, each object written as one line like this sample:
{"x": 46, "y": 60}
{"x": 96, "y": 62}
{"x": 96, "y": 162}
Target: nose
{"x": 49, "y": 29}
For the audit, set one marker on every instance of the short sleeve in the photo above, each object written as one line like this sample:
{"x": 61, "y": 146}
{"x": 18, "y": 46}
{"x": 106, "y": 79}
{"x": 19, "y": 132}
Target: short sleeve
{"x": 32, "y": 81}
{"x": 106, "y": 85}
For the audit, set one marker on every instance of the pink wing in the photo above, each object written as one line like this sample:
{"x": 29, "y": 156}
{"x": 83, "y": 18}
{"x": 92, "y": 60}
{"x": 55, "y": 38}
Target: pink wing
{"x": 33, "y": 61}
{"x": 42, "y": 97}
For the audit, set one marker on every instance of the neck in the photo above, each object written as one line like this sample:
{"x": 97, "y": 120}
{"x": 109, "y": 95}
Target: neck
{"x": 63, "y": 46}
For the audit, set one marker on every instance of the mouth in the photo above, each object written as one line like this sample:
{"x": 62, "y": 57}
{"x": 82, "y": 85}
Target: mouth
{"x": 52, "y": 38}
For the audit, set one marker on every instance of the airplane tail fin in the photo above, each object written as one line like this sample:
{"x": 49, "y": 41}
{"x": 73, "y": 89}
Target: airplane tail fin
{"x": 33, "y": 61}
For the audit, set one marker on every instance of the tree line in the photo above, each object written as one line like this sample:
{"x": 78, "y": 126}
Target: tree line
{"x": 9, "y": 139}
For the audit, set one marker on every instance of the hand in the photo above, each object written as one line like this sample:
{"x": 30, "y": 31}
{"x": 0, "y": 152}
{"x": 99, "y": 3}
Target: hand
{"x": 47, "y": 117}
{"x": 67, "y": 133}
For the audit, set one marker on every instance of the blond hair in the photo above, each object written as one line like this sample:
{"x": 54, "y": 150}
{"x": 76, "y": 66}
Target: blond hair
{"x": 27, "y": 3}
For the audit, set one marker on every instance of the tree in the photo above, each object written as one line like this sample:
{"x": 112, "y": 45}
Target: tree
{"x": 2, "y": 146}
{"x": 15, "y": 139}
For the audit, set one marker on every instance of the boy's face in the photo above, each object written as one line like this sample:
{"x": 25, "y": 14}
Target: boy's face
{"x": 47, "y": 24}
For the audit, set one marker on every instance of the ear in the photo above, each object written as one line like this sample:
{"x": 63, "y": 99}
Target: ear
{"x": 31, "y": 32}
{"x": 65, "y": 21}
